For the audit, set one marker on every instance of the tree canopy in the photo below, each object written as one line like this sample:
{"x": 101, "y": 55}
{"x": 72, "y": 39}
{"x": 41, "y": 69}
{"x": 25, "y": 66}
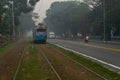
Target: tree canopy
{"x": 67, "y": 17}
{"x": 20, "y": 6}
{"x": 73, "y": 17}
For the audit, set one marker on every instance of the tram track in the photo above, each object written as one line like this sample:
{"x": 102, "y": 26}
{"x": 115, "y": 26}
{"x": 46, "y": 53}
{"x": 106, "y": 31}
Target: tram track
{"x": 34, "y": 65}
{"x": 60, "y": 65}
{"x": 68, "y": 57}
{"x": 22, "y": 56}
{"x": 51, "y": 66}
{"x": 9, "y": 61}
{"x": 69, "y": 69}
{"x": 19, "y": 64}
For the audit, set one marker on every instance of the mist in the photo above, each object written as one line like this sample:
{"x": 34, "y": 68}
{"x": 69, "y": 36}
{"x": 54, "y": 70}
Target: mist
{"x": 26, "y": 25}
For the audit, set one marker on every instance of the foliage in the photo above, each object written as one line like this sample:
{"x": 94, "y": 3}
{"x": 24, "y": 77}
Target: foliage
{"x": 33, "y": 2}
{"x": 112, "y": 17}
{"x": 67, "y": 17}
{"x": 6, "y": 18}
{"x": 84, "y": 17}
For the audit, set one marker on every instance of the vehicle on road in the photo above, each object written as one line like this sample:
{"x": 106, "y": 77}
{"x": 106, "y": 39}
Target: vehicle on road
{"x": 86, "y": 38}
{"x": 40, "y": 33}
{"x": 51, "y": 35}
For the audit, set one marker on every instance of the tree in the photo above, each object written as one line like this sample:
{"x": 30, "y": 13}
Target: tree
{"x": 20, "y": 6}
{"x": 68, "y": 18}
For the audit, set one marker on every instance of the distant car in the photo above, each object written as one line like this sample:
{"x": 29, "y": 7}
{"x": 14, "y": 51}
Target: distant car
{"x": 51, "y": 35}
{"x": 40, "y": 34}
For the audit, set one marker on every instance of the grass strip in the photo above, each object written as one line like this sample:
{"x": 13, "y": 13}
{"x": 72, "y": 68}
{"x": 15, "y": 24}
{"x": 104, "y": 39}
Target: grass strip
{"x": 31, "y": 67}
{"x": 110, "y": 75}
{"x": 32, "y": 50}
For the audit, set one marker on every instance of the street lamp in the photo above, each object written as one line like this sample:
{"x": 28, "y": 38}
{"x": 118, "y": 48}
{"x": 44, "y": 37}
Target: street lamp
{"x": 13, "y": 21}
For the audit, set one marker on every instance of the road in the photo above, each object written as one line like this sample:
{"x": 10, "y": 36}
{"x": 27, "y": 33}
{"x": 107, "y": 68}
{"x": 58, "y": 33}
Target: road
{"x": 106, "y": 54}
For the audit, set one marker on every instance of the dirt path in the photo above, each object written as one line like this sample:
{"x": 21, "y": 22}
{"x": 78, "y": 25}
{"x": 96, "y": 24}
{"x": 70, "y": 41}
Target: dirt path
{"x": 67, "y": 69}
{"x": 9, "y": 61}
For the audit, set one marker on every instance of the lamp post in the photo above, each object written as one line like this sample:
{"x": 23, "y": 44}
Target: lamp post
{"x": 13, "y": 21}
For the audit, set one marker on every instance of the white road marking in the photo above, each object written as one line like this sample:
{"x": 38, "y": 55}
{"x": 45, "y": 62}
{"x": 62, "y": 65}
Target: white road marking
{"x": 103, "y": 62}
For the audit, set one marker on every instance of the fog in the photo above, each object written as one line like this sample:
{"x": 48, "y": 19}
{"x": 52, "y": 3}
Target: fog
{"x": 26, "y": 25}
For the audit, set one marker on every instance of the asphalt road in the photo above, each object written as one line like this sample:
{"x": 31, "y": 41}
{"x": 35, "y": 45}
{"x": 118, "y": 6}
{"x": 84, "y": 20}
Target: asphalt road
{"x": 106, "y": 54}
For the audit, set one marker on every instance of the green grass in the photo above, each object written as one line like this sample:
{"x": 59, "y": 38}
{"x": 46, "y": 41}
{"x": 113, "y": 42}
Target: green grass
{"x": 6, "y": 47}
{"x": 33, "y": 50}
{"x": 31, "y": 67}
{"x": 110, "y": 75}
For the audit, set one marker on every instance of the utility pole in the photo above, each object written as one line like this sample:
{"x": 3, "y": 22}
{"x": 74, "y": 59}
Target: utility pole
{"x": 19, "y": 32}
{"x": 13, "y": 19}
{"x": 104, "y": 21}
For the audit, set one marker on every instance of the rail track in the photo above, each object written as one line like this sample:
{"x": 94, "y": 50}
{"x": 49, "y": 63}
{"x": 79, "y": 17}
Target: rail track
{"x": 43, "y": 57}
{"x": 51, "y": 66}
{"x": 68, "y": 57}
{"x": 9, "y": 61}
{"x": 19, "y": 64}
{"x": 86, "y": 70}
{"x": 63, "y": 66}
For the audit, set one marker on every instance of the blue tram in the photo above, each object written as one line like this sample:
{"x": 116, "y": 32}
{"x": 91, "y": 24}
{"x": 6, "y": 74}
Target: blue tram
{"x": 40, "y": 34}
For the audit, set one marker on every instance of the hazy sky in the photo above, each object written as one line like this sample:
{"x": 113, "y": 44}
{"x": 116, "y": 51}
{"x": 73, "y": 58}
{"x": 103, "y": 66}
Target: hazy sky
{"x": 42, "y": 6}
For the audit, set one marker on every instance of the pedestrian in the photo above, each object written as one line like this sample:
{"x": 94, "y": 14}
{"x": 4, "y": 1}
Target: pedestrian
{"x": 86, "y": 38}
